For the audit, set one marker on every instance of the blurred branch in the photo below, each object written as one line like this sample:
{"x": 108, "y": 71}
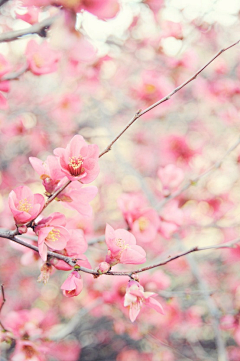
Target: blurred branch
{"x": 39, "y": 28}
{"x": 167, "y": 97}
{"x": 3, "y": 301}
{"x": 213, "y": 310}
{"x": 195, "y": 180}
{"x": 68, "y": 328}
{"x": 15, "y": 74}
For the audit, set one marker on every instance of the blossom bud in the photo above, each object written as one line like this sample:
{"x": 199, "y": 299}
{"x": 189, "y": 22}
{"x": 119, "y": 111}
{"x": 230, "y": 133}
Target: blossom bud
{"x": 103, "y": 267}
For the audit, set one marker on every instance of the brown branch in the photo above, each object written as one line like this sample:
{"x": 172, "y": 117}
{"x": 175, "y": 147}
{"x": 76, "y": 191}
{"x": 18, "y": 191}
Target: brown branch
{"x": 72, "y": 262}
{"x": 39, "y": 28}
{"x": 3, "y": 301}
{"x": 230, "y": 244}
{"x": 167, "y": 97}
{"x": 11, "y": 235}
{"x": 50, "y": 199}
{"x": 192, "y": 182}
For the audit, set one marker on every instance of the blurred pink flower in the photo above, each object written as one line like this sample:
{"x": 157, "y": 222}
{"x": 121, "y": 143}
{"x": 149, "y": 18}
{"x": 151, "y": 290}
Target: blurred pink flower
{"x": 135, "y": 298}
{"x": 171, "y": 177}
{"x": 24, "y": 205}
{"x": 31, "y": 16}
{"x": 122, "y": 247}
{"x": 41, "y": 58}
{"x": 73, "y": 285}
{"x": 79, "y": 161}
{"x": 76, "y": 197}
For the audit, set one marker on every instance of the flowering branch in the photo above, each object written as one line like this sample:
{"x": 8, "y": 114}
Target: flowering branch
{"x": 39, "y": 28}
{"x": 167, "y": 97}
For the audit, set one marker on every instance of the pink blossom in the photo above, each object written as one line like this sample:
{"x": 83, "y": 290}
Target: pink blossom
{"x": 24, "y": 205}
{"x": 135, "y": 298}
{"x": 76, "y": 197}
{"x": 31, "y": 16}
{"x": 171, "y": 177}
{"x": 144, "y": 222}
{"x": 145, "y": 227}
{"x": 28, "y": 351}
{"x": 75, "y": 247}
{"x": 41, "y": 58}
{"x": 79, "y": 161}
{"x": 50, "y": 172}
{"x": 51, "y": 232}
{"x": 73, "y": 285}
{"x": 103, "y": 9}
{"x": 122, "y": 247}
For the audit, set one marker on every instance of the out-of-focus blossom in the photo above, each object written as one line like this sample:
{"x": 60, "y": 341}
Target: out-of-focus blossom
{"x": 28, "y": 351}
{"x": 24, "y": 205}
{"x": 79, "y": 161}
{"x": 41, "y": 58}
{"x": 171, "y": 177}
{"x": 135, "y": 298}
{"x": 76, "y": 197}
{"x": 73, "y": 285}
{"x": 31, "y": 16}
{"x": 122, "y": 247}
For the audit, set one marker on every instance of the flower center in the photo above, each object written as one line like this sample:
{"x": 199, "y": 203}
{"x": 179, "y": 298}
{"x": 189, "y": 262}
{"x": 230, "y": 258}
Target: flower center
{"x": 121, "y": 244}
{"x": 75, "y": 165}
{"x": 142, "y": 223}
{"x": 53, "y": 235}
{"x": 38, "y": 60}
{"x": 24, "y": 205}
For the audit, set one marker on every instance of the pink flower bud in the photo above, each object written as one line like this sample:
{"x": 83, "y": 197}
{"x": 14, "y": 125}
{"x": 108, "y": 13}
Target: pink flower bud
{"x": 103, "y": 267}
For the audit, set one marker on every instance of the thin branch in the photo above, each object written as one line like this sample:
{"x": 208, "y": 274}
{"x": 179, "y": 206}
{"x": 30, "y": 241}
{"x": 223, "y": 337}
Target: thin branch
{"x": 195, "y": 180}
{"x": 3, "y": 301}
{"x": 39, "y": 28}
{"x": 15, "y": 74}
{"x": 213, "y": 310}
{"x": 8, "y": 235}
{"x": 50, "y": 199}
{"x": 167, "y": 97}
{"x": 72, "y": 262}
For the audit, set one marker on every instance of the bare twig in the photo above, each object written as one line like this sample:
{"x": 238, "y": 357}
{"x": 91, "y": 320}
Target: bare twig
{"x": 39, "y": 28}
{"x": 68, "y": 260}
{"x": 3, "y": 301}
{"x": 167, "y": 97}
{"x": 195, "y": 180}
{"x": 213, "y": 310}
{"x": 50, "y": 199}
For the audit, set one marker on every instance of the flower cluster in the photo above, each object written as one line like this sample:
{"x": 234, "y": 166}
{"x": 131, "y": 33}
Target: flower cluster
{"x": 63, "y": 176}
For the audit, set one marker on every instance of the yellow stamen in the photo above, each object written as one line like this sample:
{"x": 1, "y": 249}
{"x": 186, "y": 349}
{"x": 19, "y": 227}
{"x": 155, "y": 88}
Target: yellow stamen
{"x": 143, "y": 223}
{"x": 53, "y": 235}
{"x": 24, "y": 205}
